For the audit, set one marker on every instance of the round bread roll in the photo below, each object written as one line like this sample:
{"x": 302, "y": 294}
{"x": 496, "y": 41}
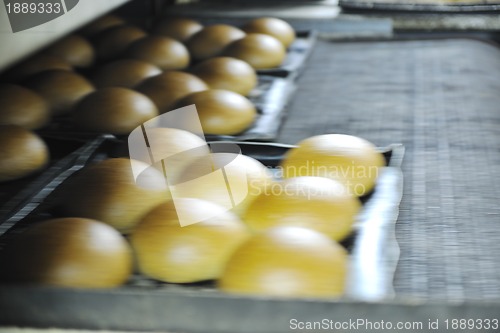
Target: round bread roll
{"x": 113, "y": 110}
{"x": 246, "y": 177}
{"x": 227, "y": 73}
{"x": 180, "y": 29}
{"x": 324, "y": 205}
{"x": 126, "y": 73}
{"x": 22, "y": 153}
{"x": 353, "y": 161}
{"x": 35, "y": 65}
{"x": 101, "y": 24}
{"x": 113, "y": 42}
{"x": 68, "y": 252}
{"x": 164, "y": 52}
{"x": 176, "y": 148}
{"x": 167, "y": 88}
{"x": 211, "y": 41}
{"x": 22, "y": 107}
{"x": 169, "y": 250}
{"x": 275, "y": 27}
{"x": 107, "y": 191}
{"x": 259, "y": 50}
{"x": 61, "y": 89}
{"x": 75, "y": 50}
{"x": 221, "y": 112}
{"x": 287, "y": 262}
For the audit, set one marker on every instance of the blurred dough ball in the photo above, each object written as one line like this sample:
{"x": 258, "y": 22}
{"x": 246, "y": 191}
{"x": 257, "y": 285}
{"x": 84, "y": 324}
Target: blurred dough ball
{"x": 22, "y": 153}
{"x": 180, "y": 29}
{"x": 167, "y": 88}
{"x": 175, "y": 147}
{"x": 107, "y": 191}
{"x": 114, "y": 110}
{"x": 68, "y": 252}
{"x": 61, "y": 89}
{"x": 275, "y": 27}
{"x": 168, "y": 251}
{"x": 353, "y": 161}
{"x": 221, "y": 112}
{"x": 227, "y": 73}
{"x": 287, "y": 262}
{"x": 164, "y": 52}
{"x": 101, "y": 24}
{"x": 75, "y": 50}
{"x": 259, "y": 50}
{"x": 113, "y": 42}
{"x": 126, "y": 73}
{"x": 211, "y": 41}
{"x": 35, "y": 65}
{"x": 324, "y": 205}
{"x": 246, "y": 177}
{"x": 23, "y": 107}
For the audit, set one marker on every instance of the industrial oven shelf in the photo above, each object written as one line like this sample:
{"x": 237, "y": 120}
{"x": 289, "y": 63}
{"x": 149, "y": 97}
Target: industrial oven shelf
{"x": 16, "y": 46}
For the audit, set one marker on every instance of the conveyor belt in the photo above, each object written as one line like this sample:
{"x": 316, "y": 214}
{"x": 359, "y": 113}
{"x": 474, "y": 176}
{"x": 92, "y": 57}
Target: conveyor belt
{"x": 441, "y": 99}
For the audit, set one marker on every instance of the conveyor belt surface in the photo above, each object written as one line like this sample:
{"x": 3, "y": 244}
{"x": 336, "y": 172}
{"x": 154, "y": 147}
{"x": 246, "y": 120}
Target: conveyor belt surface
{"x": 441, "y": 99}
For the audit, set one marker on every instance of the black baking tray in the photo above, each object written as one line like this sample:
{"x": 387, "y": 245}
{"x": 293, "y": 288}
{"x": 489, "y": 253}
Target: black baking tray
{"x": 373, "y": 249}
{"x": 147, "y": 305}
{"x": 420, "y": 7}
{"x": 270, "y": 97}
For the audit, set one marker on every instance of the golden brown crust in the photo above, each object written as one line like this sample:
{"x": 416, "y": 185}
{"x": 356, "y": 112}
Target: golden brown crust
{"x": 22, "y": 153}
{"x": 35, "y": 65}
{"x": 211, "y": 41}
{"x": 275, "y": 27}
{"x": 126, "y": 73}
{"x": 227, "y": 73}
{"x": 259, "y": 50}
{"x": 169, "y": 252}
{"x": 167, "y": 88}
{"x": 101, "y": 24}
{"x": 23, "y": 107}
{"x": 114, "y": 110}
{"x": 221, "y": 112}
{"x": 287, "y": 262}
{"x": 107, "y": 191}
{"x": 164, "y": 52}
{"x": 112, "y": 42}
{"x": 61, "y": 89}
{"x": 68, "y": 252}
{"x": 73, "y": 49}
{"x": 180, "y": 29}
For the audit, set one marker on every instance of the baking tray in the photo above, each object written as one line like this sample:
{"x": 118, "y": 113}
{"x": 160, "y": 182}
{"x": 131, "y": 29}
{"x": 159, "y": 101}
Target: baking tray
{"x": 270, "y": 97}
{"x": 422, "y": 6}
{"x": 373, "y": 248}
{"x": 146, "y": 305}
